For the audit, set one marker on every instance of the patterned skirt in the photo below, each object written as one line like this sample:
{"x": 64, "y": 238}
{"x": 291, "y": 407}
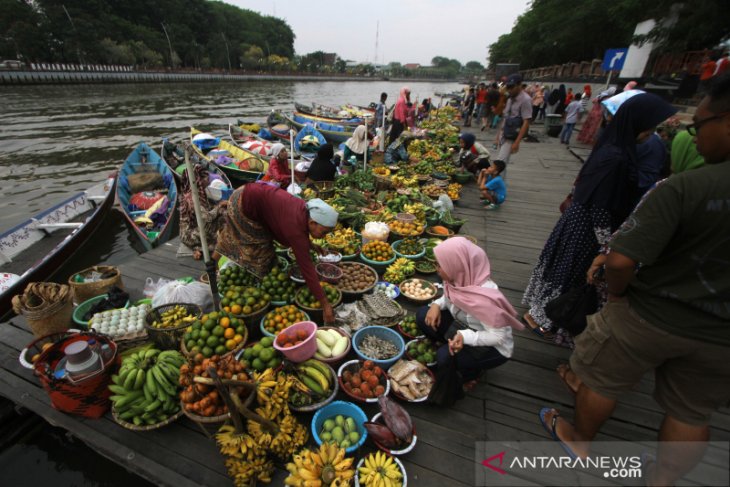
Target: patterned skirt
{"x": 245, "y": 241}
{"x": 565, "y": 259}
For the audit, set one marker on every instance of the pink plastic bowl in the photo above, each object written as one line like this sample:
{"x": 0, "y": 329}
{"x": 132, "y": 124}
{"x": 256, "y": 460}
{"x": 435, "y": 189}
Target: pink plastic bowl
{"x": 306, "y": 349}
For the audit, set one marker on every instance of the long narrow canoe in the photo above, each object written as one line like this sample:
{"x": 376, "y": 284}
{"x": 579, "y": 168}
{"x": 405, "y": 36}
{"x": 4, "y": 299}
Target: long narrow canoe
{"x": 240, "y": 166}
{"x": 174, "y": 156}
{"x": 320, "y": 113}
{"x": 240, "y": 136}
{"x": 334, "y": 134}
{"x": 33, "y": 250}
{"x": 143, "y": 160}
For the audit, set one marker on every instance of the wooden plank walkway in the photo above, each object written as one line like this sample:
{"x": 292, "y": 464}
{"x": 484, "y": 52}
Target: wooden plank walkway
{"x": 503, "y": 408}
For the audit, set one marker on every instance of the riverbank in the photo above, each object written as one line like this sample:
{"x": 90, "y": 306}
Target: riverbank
{"x": 72, "y": 76}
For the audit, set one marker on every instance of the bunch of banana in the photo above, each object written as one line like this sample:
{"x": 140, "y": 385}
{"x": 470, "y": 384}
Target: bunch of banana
{"x": 174, "y": 317}
{"x": 309, "y": 193}
{"x": 312, "y": 382}
{"x": 416, "y": 209}
{"x": 399, "y": 270}
{"x": 146, "y": 389}
{"x": 244, "y": 471}
{"x": 380, "y": 469}
{"x": 272, "y": 390}
{"x": 326, "y": 466}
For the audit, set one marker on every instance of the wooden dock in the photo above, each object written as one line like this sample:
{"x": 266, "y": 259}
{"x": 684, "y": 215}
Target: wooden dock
{"x": 502, "y": 408}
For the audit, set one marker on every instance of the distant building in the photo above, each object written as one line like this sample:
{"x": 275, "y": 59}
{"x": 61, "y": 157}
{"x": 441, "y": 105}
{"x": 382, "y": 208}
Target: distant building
{"x": 329, "y": 58}
{"x": 412, "y": 66}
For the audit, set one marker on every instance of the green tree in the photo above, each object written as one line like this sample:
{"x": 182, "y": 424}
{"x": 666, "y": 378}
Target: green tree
{"x": 474, "y": 66}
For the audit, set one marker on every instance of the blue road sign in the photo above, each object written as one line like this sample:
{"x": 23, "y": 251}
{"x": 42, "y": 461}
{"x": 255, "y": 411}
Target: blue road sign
{"x": 614, "y": 59}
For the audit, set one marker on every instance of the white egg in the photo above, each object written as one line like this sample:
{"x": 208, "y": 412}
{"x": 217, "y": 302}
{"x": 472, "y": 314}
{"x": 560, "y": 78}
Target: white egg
{"x": 115, "y": 312}
{"x": 140, "y": 326}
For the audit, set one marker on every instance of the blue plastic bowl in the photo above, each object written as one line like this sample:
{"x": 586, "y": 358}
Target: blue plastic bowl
{"x": 346, "y": 409}
{"x": 383, "y": 333}
{"x": 395, "y": 246}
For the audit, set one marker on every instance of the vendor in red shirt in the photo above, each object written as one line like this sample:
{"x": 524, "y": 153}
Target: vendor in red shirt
{"x": 260, "y": 213}
{"x": 279, "y": 170}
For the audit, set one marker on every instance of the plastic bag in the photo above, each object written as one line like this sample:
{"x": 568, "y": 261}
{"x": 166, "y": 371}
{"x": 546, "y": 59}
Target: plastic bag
{"x": 179, "y": 292}
{"x": 569, "y": 310}
{"x": 375, "y": 231}
{"x": 151, "y": 287}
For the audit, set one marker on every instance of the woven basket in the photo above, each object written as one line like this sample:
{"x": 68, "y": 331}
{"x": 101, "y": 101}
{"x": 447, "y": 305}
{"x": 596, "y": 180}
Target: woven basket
{"x": 168, "y": 338}
{"x": 148, "y": 427}
{"x": 86, "y": 290}
{"x": 52, "y": 319}
{"x": 325, "y": 189}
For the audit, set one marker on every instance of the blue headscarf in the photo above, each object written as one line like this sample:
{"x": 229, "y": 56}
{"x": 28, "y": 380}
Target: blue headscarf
{"x": 468, "y": 139}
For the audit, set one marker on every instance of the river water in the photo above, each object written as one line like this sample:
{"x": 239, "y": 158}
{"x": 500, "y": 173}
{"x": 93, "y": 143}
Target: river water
{"x": 58, "y": 140}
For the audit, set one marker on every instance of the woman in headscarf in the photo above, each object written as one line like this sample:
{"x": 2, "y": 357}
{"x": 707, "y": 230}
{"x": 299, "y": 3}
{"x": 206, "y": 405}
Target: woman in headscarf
{"x": 592, "y": 123}
{"x": 258, "y": 214}
{"x": 279, "y": 170}
{"x": 585, "y": 98}
{"x": 537, "y": 101}
{"x": 212, "y": 212}
{"x": 400, "y": 113}
{"x": 605, "y": 192}
{"x": 473, "y": 156}
{"x": 357, "y": 144}
{"x": 322, "y": 168}
{"x": 473, "y": 317}
{"x": 684, "y": 153}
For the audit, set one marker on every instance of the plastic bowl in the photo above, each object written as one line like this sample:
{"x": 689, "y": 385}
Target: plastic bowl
{"x": 404, "y": 481}
{"x": 338, "y": 358}
{"x": 407, "y": 449}
{"x": 386, "y": 283}
{"x": 267, "y": 333}
{"x": 411, "y": 357}
{"x": 420, "y": 254}
{"x": 383, "y": 333}
{"x": 354, "y": 366}
{"x": 415, "y": 299}
{"x": 376, "y": 263}
{"x": 328, "y": 272}
{"x": 84, "y": 307}
{"x": 420, "y": 399}
{"x": 438, "y": 235}
{"x": 463, "y": 177}
{"x": 305, "y": 350}
{"x": 346, "y": 409}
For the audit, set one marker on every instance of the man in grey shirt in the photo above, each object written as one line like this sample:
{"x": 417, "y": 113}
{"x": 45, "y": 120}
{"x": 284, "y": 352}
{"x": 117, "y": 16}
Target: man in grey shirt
{"x": 516, "y": 119}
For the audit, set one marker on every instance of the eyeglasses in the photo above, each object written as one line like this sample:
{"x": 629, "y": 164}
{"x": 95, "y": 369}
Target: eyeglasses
{"x": 693, "y": 128}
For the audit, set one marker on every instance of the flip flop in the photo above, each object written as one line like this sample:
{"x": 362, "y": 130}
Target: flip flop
{"x": 552, "y": 431}
{"x": 535, "y": 328}
{"x": 563, "y": 370}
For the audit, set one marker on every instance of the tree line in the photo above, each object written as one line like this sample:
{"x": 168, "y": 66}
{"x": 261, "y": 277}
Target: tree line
{"x": 164, "y": 33}
{"x": 560, "y": 31}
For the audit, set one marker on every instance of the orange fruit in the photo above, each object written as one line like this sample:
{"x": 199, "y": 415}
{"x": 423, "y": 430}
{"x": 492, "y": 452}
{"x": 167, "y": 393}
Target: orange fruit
{"x": 229, "y": 333}
{"x": 225, "y": 322}
{"x": 231, "y": 344}
{"x": 236, "y": 309}
{"x": 238, "y": 339}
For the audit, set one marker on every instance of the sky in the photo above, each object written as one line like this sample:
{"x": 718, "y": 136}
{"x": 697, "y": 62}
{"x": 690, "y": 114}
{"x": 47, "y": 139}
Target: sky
{"x": 410, "y": 31}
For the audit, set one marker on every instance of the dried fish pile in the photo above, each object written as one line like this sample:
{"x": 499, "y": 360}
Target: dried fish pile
{"x": 377, "y": 348}
{"x": 410, "y": 379}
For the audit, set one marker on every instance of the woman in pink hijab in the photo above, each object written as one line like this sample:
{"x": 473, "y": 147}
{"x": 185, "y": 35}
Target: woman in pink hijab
{"x": 400, "y": 114}
{"x": 473, "y": 316}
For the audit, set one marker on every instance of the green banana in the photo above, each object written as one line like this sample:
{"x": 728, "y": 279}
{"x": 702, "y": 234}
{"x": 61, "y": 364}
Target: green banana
{"x": 312, "y": 384}
{"x": 317, "y": 376}
{"x": 153, "y": 406}
{"x": 139, "y": 381}
{"x": 129, "y": 398}
{"x": 151, "y": 384}
{"x": 163, "y": 383}
{"x": 118, "y": 389}
{"x": 151, "y": 353}
{"x": 319, "y": 366}
{"x": 131, "y": 379}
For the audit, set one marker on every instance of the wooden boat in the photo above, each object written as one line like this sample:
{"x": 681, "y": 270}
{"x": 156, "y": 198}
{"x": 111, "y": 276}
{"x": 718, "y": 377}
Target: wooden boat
{"x": 308, "y": 130}
{"x": 348, "y": 124}
{"x": 174, "y": 156}
{"x": 279, "y": 127}
{"x": 36, "y": 248}
{"x": 327, "y": 114}
{"x": 243, "y": 166}
{"x": 335, "y": 134}
{"x": 145, "y": 160}
{"x": 240, "y": 136}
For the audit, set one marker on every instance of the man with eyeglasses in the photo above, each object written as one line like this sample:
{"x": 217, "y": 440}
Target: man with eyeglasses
{"x": 672, "y": 315}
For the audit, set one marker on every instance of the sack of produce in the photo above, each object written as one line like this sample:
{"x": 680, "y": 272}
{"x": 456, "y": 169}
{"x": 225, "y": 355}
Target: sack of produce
{"x": 375, "y": 231}
{"x": 179, "y": 292}
{"x": 145, "y": 181}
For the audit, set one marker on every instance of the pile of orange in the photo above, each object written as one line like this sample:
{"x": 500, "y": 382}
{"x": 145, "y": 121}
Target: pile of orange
{"x": 407, "y": 229}
{"x": 378, "y": 251}
{"x": 282, "y": 317}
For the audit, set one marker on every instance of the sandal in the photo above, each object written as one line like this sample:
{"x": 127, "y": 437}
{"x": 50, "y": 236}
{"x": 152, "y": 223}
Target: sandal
{"x": 569, "y": 378}
{"x": 537, "y": 329}
{"x": 552, "y": 430}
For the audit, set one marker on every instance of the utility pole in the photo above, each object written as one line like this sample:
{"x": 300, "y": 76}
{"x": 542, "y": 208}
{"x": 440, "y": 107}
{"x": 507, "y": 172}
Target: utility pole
{"x": 227, "y": 52}
{"x": 78, "y": 41}
{"x": 169, "y": 44}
